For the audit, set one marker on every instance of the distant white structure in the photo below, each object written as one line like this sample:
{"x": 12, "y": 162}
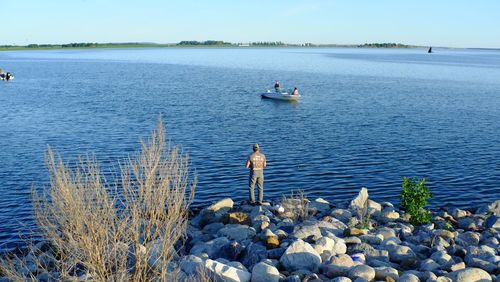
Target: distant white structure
{"x": 243, "y": 44}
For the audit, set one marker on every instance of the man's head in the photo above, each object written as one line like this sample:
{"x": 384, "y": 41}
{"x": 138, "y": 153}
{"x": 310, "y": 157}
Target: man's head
{"x": 255, "y": 147}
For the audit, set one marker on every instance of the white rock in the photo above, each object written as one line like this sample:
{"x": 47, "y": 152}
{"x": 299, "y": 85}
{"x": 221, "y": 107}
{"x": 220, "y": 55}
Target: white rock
{"x": 223, "y": 272}
{"x": 263, "y": 272}
{"x": 469, "y": 274}
{"x": 360, "y": 201}
{"x": 300, "y": 255}
{"x": 341, "y": 279}
{"x": 324, "y": 244}
{"x": 362, "y": 271}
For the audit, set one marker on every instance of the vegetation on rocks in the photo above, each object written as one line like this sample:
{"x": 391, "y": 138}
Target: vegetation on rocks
{"x": 413, "y": 200}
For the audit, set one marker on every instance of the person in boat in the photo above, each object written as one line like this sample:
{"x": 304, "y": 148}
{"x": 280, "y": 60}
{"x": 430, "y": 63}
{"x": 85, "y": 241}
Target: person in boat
{"x": 277, "y": 86}
{"x": 295, "y": 92}
{"x": 256, "y": 163}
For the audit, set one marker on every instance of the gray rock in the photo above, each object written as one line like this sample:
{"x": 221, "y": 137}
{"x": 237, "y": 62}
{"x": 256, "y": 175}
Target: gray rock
{"x": 469, "y": 274}
{"x": 467, "y": 223}
{"x": 213, "y": 228}
{"x": 308, "y": 229}
{"x": 237, "y": 264}
{"x": 386, "y": 232}
{"x": 300, "y": 255}
{"x": 338, "y": 266}
{"x": 493, "y": 208}
{"x": 222, "y": 272}
{"x": 237, "y": 232}
{"x": 429, "y": 265}
{"x": 352, "y": 240}
{"x": 457, "y": 213}
{"x": 342, "y": 215}
{"x": 210, "y": 247}
{"x": 362, "y": 271}
{"x": 224, "y": 204}
{"x": 320, "y": 205}
{"x": 468, "y": 238}
{"x": 275, "y": 253}
{"x": 191, "y": 264}
{"x": 442, "y": 258}
{"x": 408, "y": 277}
{"x": 492, "y": 221}
{"x": 263, "y": 272}
{"x": 398, "y": 253}
{"x": 292, "y": 278}
{"x": 383, "y": 271}
{"x": 253, "y": 254}
{"x": 324, "y": 244}
{"x": 372, "y": 239}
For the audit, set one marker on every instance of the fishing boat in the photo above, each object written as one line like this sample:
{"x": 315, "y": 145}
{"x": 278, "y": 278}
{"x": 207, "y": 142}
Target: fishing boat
{"x": 285, "y": 96}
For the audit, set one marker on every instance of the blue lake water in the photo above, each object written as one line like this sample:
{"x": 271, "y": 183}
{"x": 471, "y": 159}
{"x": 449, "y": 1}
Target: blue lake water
{"x": 367, "y": 117}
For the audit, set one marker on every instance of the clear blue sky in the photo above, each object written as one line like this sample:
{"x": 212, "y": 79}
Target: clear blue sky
{"x": 454, "y": 23}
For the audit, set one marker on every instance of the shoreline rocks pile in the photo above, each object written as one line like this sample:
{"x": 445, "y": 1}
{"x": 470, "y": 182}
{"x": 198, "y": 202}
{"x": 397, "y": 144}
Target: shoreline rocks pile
{"x": 294, "y": 240}
{"x": 301, "y": 240}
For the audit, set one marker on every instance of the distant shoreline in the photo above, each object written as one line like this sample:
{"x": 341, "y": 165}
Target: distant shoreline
{"x": 196, "y": 44}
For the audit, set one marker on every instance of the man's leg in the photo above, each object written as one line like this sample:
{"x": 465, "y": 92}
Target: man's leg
{"x": 251, "y": 185}
{"x": 260, "y": 184}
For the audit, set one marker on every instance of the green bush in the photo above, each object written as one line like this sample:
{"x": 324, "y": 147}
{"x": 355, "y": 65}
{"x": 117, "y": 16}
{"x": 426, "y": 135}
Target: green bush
{"x": 413, "y": 200}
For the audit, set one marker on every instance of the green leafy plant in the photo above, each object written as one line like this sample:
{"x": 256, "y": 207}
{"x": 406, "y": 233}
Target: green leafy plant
{"x": 413, "y": 200}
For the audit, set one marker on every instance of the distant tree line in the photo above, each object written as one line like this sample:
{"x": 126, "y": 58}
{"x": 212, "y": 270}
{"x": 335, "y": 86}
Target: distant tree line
{"x": 272, "y": 43}
{"x": 383, "y": 45}
{"x": 204, "y": 43}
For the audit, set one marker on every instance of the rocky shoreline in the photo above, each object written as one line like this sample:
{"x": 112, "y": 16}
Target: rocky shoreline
{"x": 295, "y": 239}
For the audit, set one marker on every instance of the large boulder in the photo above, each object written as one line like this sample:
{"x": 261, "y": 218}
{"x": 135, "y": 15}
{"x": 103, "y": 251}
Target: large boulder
{"x": 300, "y": 255}
{"x": 307, "y": 230}
{"x": 319, "y": 205}
{"x": 492, "y": 221}
{"x": 469, "y": 274}
{"x": 324, "y": 244}
{"x": 214, "y": 213}
{"x": 225, "y": 273}
{"x": 468, "y": 238}
{"x": 263, "y": 272}
{"x": 191, "y": 264}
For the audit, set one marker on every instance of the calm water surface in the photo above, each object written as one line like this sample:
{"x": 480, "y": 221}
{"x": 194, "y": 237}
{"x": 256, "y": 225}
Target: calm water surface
{"x": 367, "y": 118}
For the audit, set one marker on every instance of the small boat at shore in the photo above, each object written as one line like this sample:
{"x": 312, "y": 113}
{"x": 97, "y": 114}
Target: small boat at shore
{"x": 284, "y": 96}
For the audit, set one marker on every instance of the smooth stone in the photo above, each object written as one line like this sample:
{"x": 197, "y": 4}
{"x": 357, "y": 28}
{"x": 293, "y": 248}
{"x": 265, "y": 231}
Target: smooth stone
{"x": 444, "y": 233}
{"x": 382, "y": 272}
{"x": 225, "y": 272}
{"x": 237, "y": 232}
{"x": 341, "y": 279}
{"x": 353, "y": 231}
{"x": 226, "y": 203}
{"x": 253, "y": 254}
{"x": 467, "y": 239}
{"x": 441, "y": 258}
{"x": 399, "y": 253}
{"x": 320, "y": 205}
{"x": 457, "y": 266}
{"x": 386, "y": 232}
{"x": 389, "y": 216}
{"x": 429, "y": 265}
{"x": 300, "y": 255}
{"x": 362, "y": 271}
{"x": 275, "y": 253}
{"x": 338, "y": 266}
{"x": 324, "y": 244}
{"x": 457, "y": 213}
{"x": 372, "y": 239}
{"x": 341, "y": 214}
{"x": 210, "y": 247}
{"x": 469, "y": 274}
{"x": 352, "y": 240}
{"x": 467, "y": 223}
{"x": 492, "y": 221}
{"x": 263, "y": 272}
{"x": 408, "y": 277}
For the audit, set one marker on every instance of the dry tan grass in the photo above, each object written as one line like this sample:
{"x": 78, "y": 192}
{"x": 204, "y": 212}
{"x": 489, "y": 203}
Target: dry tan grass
{"x": 296, "y": 205}
{"x": 116, "y": 232}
